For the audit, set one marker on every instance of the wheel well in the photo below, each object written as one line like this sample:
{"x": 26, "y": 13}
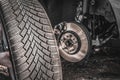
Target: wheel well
{"x": 65, "y": 10}
{"x": 61, "y": 10}
{"x": 103, "y": 8}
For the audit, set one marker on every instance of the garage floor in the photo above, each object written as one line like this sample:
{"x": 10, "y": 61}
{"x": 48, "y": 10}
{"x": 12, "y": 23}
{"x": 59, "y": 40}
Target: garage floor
{"x": 100, "y": 66}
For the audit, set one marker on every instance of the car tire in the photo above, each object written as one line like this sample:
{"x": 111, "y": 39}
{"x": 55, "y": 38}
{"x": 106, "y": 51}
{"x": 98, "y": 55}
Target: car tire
{"x": 33, "y": 49}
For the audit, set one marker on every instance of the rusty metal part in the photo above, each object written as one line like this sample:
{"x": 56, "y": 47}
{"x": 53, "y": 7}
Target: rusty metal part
{"x": 70, "y": 43}
{"x": 4, "y": 70}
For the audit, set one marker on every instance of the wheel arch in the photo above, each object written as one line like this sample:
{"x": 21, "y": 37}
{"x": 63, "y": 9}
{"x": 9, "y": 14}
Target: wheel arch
{"x": 115, "y": 4}
{"x": 59, "y": 10}
{"x": 66, "y": 10}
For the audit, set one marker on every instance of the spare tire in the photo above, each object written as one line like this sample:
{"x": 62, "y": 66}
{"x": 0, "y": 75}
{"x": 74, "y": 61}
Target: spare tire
{"x": 33, "y": 49}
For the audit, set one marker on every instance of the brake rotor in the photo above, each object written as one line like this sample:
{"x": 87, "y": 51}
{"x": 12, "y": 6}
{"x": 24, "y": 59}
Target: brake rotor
{"x": 73, "y": 42}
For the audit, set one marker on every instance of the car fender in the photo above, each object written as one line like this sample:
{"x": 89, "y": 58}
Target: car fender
{"x": 115, "y": 4}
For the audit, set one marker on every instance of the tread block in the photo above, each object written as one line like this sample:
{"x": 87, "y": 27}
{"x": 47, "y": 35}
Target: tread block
{"x": 31, "y": 40}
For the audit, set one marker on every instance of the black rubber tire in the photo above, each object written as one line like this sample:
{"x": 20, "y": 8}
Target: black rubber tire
{"x": 32, "y": 44}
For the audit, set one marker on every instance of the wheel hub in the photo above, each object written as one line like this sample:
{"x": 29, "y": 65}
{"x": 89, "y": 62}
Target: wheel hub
{"x": 69, "y": 42}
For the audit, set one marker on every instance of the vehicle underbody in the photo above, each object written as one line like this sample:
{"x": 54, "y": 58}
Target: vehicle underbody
{"x": 98, "y": 17}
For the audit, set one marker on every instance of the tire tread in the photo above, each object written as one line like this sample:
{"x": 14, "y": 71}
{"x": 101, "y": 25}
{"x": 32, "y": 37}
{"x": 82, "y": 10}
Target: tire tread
{"x": 32, "y": 54}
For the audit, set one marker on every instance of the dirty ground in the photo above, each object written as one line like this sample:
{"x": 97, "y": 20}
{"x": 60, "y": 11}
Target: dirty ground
{"x": 100, "y": 66}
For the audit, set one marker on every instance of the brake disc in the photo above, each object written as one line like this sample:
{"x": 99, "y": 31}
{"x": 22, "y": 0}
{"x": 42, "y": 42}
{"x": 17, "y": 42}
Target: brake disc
{"x": 73, "y": 41}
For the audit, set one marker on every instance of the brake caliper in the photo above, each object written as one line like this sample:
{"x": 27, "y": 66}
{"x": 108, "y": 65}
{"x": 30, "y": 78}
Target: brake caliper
{"x": 59, "y": 29}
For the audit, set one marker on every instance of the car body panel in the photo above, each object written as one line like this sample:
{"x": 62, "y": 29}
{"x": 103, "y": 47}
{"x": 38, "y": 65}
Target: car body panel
{"x": 116, "y": 8}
